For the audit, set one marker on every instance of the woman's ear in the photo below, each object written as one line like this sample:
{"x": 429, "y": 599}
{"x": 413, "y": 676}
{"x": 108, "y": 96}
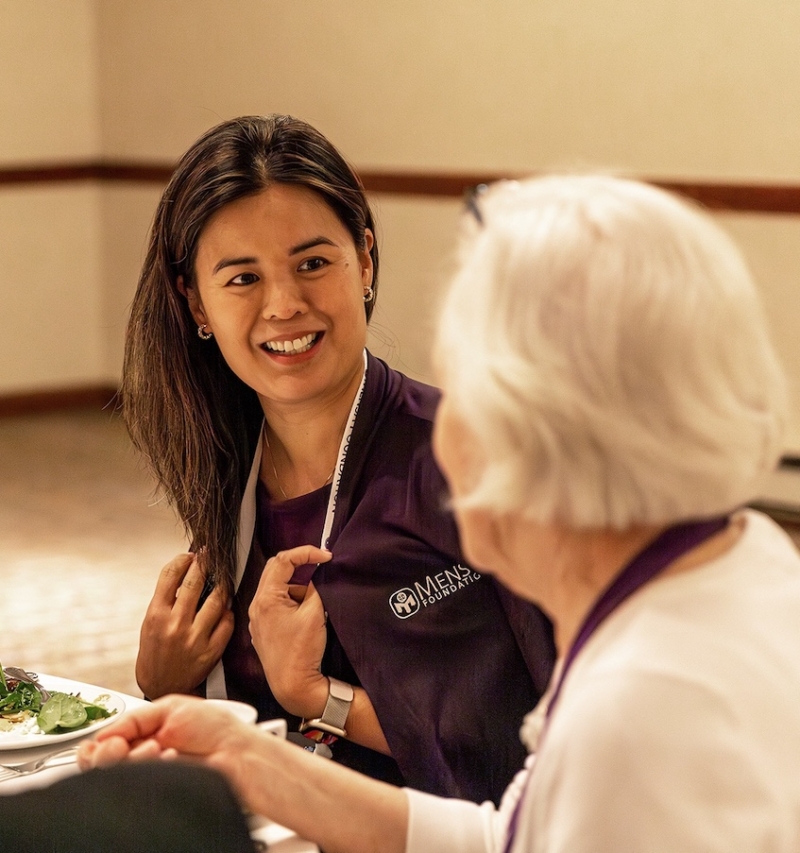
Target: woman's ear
{"x": 195, "y": 305}
{"x": 365, "y": 259}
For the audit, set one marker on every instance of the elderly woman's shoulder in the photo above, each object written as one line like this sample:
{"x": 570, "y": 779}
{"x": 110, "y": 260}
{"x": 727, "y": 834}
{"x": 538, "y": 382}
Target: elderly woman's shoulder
{"x": 719, "y": 640}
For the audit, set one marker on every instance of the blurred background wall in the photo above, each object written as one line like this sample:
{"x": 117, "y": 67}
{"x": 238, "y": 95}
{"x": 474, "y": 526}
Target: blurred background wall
{"x": 702, "y": 90}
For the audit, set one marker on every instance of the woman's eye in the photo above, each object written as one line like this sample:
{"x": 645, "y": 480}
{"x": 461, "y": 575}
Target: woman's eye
{"x": 312, "y": 264}
{"x": 244, "y": 278}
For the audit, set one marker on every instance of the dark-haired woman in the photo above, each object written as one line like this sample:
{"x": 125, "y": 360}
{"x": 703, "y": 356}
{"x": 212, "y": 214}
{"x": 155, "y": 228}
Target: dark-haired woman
{"x": 275, "y": 433}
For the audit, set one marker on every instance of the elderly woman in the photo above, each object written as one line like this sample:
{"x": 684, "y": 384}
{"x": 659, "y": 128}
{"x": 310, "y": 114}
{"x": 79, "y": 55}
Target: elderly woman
{"x": 611, "y": 399}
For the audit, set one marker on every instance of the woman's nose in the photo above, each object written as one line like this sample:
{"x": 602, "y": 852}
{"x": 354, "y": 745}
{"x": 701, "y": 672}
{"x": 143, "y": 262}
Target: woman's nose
{"x": 283, "y": 299}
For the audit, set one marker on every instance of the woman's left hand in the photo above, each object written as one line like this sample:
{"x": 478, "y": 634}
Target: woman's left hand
{"x": 287, "y": 624}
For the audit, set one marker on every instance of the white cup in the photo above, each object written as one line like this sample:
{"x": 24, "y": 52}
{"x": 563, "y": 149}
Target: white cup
{"x": 276, "y": 727}
{"x": 248, "y": 714}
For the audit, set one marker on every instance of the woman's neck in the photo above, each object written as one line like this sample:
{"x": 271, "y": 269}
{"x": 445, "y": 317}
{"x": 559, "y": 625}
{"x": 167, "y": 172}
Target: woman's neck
{"x": 587, "y": 562}
{"x": 301, "y": 442}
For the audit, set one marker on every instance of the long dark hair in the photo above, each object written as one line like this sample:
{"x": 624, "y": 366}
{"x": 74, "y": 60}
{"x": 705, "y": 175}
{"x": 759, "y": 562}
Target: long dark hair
{"x": 194, "y": 420}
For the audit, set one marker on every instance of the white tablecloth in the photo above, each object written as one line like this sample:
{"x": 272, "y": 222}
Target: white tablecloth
{"x": 278, "y": 838}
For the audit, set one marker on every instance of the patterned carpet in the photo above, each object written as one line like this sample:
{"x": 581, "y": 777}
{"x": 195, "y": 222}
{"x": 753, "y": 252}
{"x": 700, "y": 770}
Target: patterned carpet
{"x": 82, "y": 540}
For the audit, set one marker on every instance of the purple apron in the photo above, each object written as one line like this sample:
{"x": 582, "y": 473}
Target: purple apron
{"x": 451, "y": 660}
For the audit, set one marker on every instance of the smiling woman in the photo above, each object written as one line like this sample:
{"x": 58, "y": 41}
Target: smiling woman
{"x": 281, "y": 286}
{"x": 303, "y": 471}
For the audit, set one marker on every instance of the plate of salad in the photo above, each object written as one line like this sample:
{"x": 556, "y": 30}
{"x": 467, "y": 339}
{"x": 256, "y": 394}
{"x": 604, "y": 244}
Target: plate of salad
{"x": 44, "y": 711}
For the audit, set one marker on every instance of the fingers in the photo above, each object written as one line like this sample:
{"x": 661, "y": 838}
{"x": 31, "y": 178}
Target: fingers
{"x": 136, "y": 725}
{"x": 190, "y": 589}
{"x": 94, "y": 754}
{"x": 116, "y": 741}
{"x": 312, "y": 609}
{"x": 214, "y": 624}
{"x": 181, "y": 583}
{"x": 297, "y": 592}
{"x": 179, "y": 644}
{"x": 313, "y": 602}
{"x": 137, "y": 735}
{"x": 221, "y": 633}
{"x": 146, "y": 750}
{"x": 171, "y": 578}
{"x": 280, "y": 568}
{"x": 180, "y": 587}
{"x": 274, "y": 586}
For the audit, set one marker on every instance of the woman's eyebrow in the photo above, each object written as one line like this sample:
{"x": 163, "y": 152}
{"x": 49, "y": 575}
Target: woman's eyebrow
{"x": 295, "y": 250}
{"x": 232, "y": 262}
{"x": 309, "y": 244}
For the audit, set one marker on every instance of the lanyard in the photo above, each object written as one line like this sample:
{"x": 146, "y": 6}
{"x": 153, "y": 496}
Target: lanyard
{"x": 344, "y": 446}
{"x": 647, "y": 564}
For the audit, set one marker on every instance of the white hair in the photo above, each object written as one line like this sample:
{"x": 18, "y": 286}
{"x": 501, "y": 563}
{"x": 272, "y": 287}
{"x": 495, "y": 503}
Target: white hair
{"x": 605, "y": 344}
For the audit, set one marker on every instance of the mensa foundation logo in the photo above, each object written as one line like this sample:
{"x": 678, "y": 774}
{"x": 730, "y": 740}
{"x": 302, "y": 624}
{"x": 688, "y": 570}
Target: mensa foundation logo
{"x": 404, "y": 603}
{"x": 407, "y": 601}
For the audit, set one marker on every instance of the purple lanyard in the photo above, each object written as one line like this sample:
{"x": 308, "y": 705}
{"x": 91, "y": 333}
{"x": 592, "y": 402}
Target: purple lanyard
{"x": 662, "y": 551}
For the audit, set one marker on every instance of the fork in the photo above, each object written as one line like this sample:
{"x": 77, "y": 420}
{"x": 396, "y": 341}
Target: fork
{"x": 8, "y": 771}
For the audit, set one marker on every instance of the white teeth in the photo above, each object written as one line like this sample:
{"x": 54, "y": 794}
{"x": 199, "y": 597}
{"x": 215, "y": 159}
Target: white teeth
{"x": 298, "y": 345}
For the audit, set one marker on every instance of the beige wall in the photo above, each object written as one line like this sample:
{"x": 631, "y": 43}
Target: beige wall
{"x": 50, "y": 250}
{"x": 126, "y": 214}
{"x": 696, "y": 89}
{"x": 51, "y": 296}
{"x": 687, "y": 87}
{"x": 48, "y": 80}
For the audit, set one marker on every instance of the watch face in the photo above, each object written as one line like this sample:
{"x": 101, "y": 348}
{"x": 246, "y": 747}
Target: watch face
{"x": 310, "y": 728}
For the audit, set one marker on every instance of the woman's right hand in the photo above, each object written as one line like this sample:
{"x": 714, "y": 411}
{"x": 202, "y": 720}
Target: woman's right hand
{"x": 180, "y": 644}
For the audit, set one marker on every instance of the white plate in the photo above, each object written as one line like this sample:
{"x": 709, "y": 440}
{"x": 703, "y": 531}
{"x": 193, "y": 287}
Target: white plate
{"x": 11, "y": 742}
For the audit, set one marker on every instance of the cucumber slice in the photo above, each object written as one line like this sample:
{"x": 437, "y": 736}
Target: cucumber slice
{"x": 73, "y": 714}
{"x": 50, "y": 714}
{"x": 61, "y": 711}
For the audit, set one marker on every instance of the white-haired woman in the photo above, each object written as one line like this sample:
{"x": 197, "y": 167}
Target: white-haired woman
{"x": 611, "y": 400}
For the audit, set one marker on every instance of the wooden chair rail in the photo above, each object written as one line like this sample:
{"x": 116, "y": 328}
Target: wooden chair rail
{"x": 745, "y": 197}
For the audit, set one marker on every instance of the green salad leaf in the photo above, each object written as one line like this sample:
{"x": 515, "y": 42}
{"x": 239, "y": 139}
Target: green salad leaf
{"x": 24, "y": 697}
{"x": 65, "y": 712}
{"x": 55, "y": 713}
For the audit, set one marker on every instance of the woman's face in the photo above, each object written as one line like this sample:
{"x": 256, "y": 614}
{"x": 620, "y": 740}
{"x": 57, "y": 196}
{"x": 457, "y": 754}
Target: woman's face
{"x": 280, "y": 283}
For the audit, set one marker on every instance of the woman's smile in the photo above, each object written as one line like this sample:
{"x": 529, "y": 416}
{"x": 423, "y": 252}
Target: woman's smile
{"x": 296, "y": 346}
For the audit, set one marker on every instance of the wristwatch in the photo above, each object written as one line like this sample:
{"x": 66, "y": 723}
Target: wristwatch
{"x": 340, "y": 698}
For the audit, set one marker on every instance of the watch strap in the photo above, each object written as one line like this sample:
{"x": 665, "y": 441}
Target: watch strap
{"x": 334, "y": 716}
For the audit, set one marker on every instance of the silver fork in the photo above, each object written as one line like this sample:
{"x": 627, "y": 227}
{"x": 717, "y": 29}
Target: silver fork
{"x": 9, "y": 771}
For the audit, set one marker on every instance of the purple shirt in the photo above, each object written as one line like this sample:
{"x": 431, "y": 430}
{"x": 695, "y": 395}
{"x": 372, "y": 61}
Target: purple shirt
{"x": 278, "y": 526}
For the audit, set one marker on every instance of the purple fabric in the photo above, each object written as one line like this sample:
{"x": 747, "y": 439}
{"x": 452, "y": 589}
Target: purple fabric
{"x": 278, "y": 526}
{"x": 282, "y": 525}
{"x": 436, "y": 645}
{"x": 647, "y": 564}
{"x": 297, "y": 521}
{"x": 450, "y": 660}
